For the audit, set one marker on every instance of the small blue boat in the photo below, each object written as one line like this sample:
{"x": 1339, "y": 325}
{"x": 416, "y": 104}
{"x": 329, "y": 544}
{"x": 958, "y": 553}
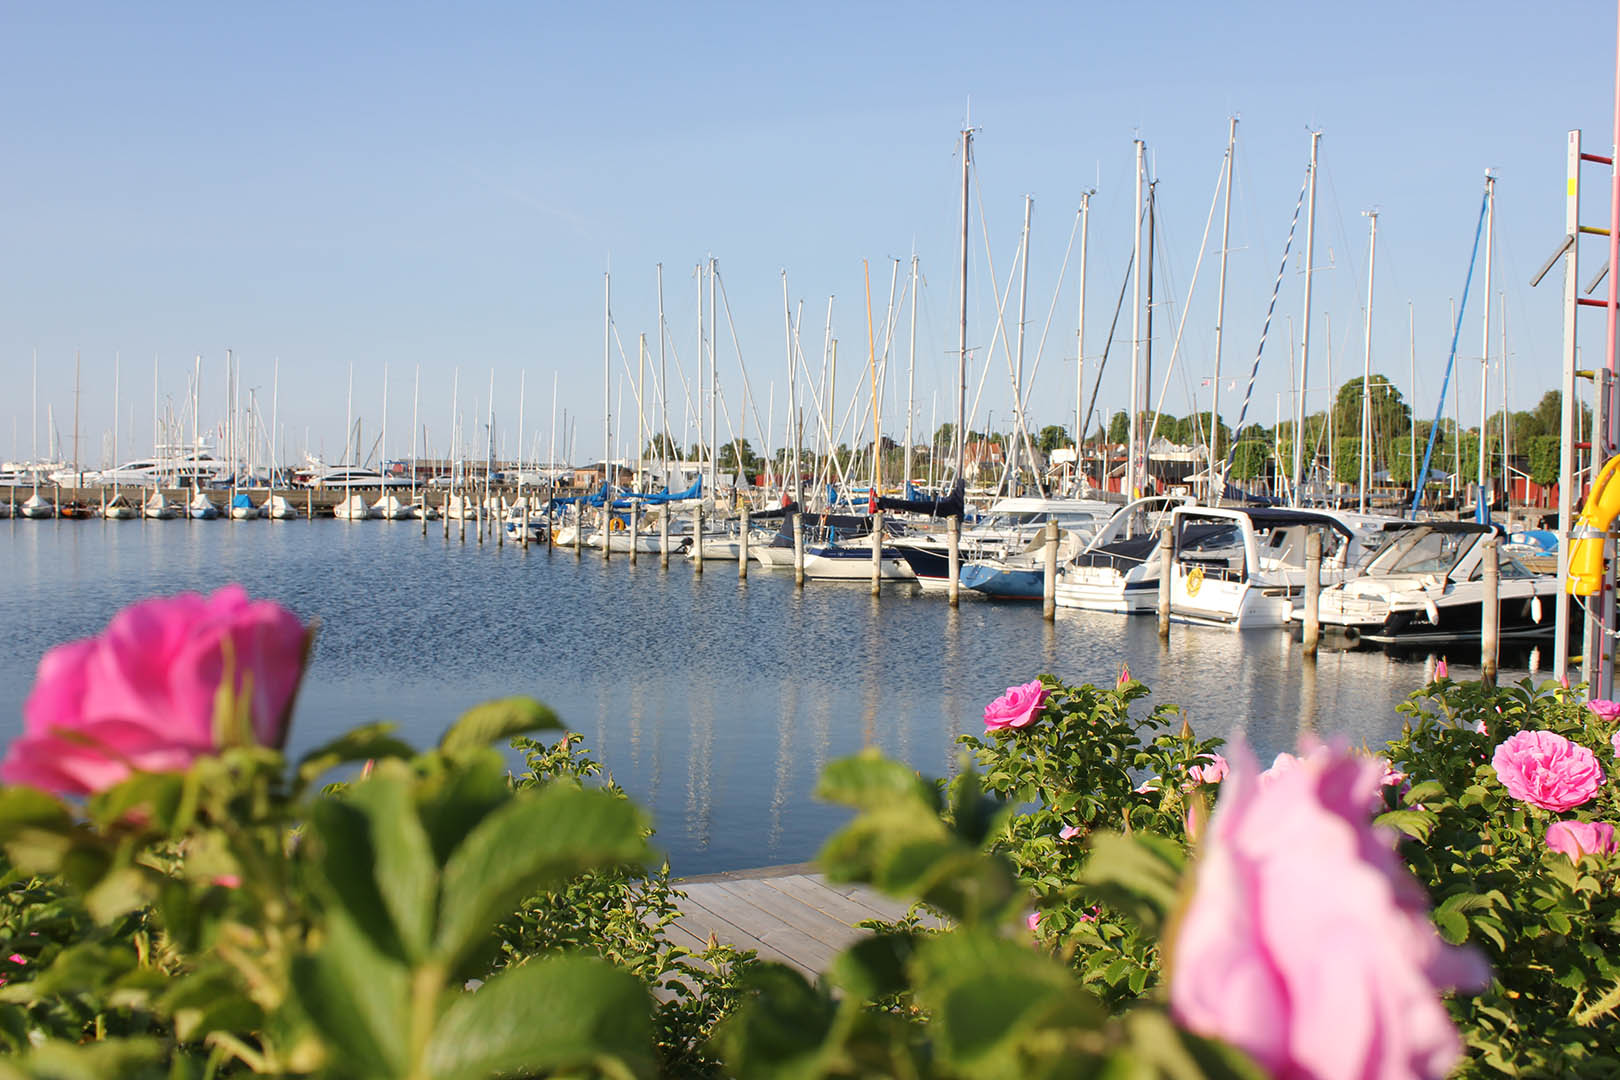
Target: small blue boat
{"x": 1020, "y": 583}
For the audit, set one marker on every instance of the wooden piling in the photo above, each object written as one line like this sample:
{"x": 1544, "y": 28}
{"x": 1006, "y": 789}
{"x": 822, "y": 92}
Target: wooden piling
{"x": 742, "y": 544}
{"x": 1313, "y": 593}
{"x": 663, "y": 537}
{"x": 798, "y": 549}
{"x": 1049, "y": 576}
{"x": 697, "y": 540}
{"x": 635, "y": 525}
{"x": 1490, "y": 622}
{"x": 877, "y": 553}
{"x": 953, "y": 545}
{"x": 1166, "y": 581}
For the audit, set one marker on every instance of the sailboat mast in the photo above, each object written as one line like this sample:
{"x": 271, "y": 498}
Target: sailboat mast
{"x": 641, "y": 382}
{"x": 196, "y": 406}
{"x": 701, "y": 420}
{"x": 961, "y": 339}
{"x": 871, "y": 365}
{"x": 1411, "y": 354}
{"x": 523, "y": 391}
{"x": 663, "y": 381}
{"x": 275, "y": 417}
{"x": 911, "y": 371}
{"x": 78, "y": 477}
{"x": 1305, "y": 337}
{"x": 1080, "y": 342}
{"x": 348, "y": 417}
{"x": 1482, "y": 502}
{"x": 115, "y": 408}
{"x": 416, "y": 400}
{"x": 793, "y": 395}
{"x": 1220, "y": 312}
{"x": 1147, "y": 336}
{"x": 1366, "y": 365}
{"x": 1128, "y": 483}
{"x": 714, "y": 386}
{"x": 1018, "y": 369}
{"x": 607, "y": 385}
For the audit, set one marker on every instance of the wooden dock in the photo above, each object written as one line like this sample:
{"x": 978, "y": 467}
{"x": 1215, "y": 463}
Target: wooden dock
{"x": 790, "y": 914}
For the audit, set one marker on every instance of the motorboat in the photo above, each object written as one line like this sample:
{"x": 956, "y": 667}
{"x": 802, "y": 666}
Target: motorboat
{"x": 1244, "y": 568}
{"x": 1118, "y": 571}
{"x": 1427, "y": 586}
{"x": 355, "y": 476}
{"x": 1021, "y": 575}
{"x": 158, "y": 507}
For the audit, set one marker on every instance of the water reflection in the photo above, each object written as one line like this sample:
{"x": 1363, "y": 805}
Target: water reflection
{"x": 715, "y": 706}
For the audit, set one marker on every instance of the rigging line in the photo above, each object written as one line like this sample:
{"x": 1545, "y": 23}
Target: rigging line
{"x": 1186, "y": 307}
{"x": 1434, "y": 429}
{"x": 1265, "y": 330}
{"x": 1108, "y": 344}
{"x": 737, "y": 438}
{"x": 1051, "y": 311}
{"x": 1001, "y": 332}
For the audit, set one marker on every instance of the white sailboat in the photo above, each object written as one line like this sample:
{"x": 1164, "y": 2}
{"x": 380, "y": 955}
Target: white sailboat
{"x": 201, "y": 507}
{"x": 280, "y": 509}
{"x": 158, "y": 507}
{"x": 353, "y": 508}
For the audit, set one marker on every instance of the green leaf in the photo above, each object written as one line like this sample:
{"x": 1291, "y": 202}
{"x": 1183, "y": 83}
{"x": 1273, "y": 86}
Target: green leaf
{"x": 875, "y": 966}
{"x": 992, "y": 999}
{"x": 781, "y": 1030}
{"x": 494, "y": 721}
{"x": 535, "y": 841}
{"x": 1453, "y": 926}
{"x": 1418, "y": 824}
{"x": 870, "y": 781}
{"x": 156, "y": 795}
{"x": 372, "y": 742}
{"x": 557, "y": 1013}
{"x": 405, "y": 872}
{"x": 1139, "y": 875}
{"x": 128, "y": 1059}
{"x": 357, "y": 999}
{"x": 346, "y": 857}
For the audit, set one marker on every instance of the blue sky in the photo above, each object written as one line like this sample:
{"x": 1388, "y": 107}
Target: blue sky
{"x": 444, "y": 186}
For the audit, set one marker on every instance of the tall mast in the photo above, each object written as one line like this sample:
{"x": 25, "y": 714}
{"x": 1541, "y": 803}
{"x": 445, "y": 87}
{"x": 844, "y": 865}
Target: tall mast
{"x": 196, "y": 405}
{"x": 871, "y": 367}
{"x": 1305, "y": 337}
{"x": 1128, "y": 482}
{"x": 275, "y": 417}
{"x": 33, "y": 424}
{"x": 157, "y": 458}
{"x": 348, "y": 417}
{"x": 115, "y": 407}
{"x": 641, "y": 382}
{"x": 607, "y": 384}
{"x": 793, "y": 397}
{"x": 1018, "y": 369}
{"x": 700, "y": 417}
{"x": 714, "y": 385}
{"x": 663, "y": 381}
{"x": 416, "y": 400}
{"x": 78, "y": 478}
{"x": 1080, "y": 341}
{"x": 382, "y": 439}
{"x": 961, "y": 339}
{"x": 1220, "y": 312}
{"x": 523, "y": 391}
{"x": 551, "y": 454}
{"x": 911, "y": 371}
{"x": 1482, "y": 505}
{"x": 1366, "y": 365}
{"x": 1411, "y": 354}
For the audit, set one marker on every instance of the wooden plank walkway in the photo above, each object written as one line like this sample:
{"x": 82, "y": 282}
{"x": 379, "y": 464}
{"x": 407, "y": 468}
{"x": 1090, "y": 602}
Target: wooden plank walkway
{"x": 790, "y": 914}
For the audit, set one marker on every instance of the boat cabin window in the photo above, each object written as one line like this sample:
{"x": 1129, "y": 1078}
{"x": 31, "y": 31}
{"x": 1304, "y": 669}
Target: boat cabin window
{"x": 1212, "y": 544}
{"x": 1424, "y": 552}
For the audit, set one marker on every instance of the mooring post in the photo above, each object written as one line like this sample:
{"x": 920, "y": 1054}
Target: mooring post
{"x": 635, "y": 525}
{"x": 953, "y": 547}
{"x": 1313, "y": 593}
{"x": 798, "y": 549}
{"x": 742, "y": 544}
{"x": 663, "y": 537}
{"x": 697, "y": 540}
{"x": 877, "y": 553}
{"x": 1049, "y": 578}
{"x": 1490, "y": 620}
{"x": 1166, "y": 580}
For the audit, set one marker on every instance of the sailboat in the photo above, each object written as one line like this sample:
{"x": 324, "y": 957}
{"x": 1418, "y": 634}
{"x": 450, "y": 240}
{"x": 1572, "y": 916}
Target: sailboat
{"x": 353, "y": 508}
{"x": 242, "y": 508}
{"x": 158, "y": 507}
{"x": 279, "y": 508}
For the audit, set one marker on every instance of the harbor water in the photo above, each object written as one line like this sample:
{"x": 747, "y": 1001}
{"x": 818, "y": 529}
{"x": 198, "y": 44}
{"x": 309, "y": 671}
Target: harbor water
{"x": 715, "y": 704}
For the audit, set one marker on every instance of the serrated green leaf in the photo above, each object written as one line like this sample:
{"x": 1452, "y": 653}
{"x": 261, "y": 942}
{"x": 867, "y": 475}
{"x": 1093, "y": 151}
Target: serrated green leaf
{"x": 537, "y": 840}
{"x": 405, "y": 872}
{"x": 556, "y": 1013}
{"x": 357, "y": 998}
{"x": 346, "y": 858}
{"x": 494, "y": 721}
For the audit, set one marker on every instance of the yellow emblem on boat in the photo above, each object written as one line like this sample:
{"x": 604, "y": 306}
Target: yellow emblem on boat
{"x": 1195, "y": 580}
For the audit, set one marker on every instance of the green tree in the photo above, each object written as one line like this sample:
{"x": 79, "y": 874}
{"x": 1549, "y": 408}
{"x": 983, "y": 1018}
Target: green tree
{"x": 1249, "y": 459}
{"x": 1391, "y": 415}
{"x": 1119, "y": 428}
{"x": 1545, "y": 451}
{"x": 727, "y": 456}
{"x": 659, "y": 444}
{"x": 1051, "y": 437}
{"x": 1347, "y": 460}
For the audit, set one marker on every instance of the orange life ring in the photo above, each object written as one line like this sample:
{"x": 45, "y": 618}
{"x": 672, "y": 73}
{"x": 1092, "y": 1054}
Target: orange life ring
{"x": 615, "y": 525}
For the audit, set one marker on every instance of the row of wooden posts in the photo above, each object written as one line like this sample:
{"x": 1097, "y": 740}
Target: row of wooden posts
{"x": 1490, "y": 630}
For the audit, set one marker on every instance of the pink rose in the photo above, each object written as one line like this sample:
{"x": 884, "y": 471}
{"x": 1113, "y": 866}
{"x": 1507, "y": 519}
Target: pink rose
{"x": 1577, "y": 838}
{"x": 1033, "y": 921}
{"x": 1607, "y": 711}
{"x": 1305, "y": 942}
{"x": 141, "y": 696}
{"x": 1614, "y": 741}
{"x": 1124, "y": 677}
{"x": 1016, "y": 708}
{"x": 1545, "y": 769}
{"x": 1440, "y": 670}
{"x": 1068, "y": 832}
{"x": 1393, "y": 777}
{"x": 1212, "y": 773}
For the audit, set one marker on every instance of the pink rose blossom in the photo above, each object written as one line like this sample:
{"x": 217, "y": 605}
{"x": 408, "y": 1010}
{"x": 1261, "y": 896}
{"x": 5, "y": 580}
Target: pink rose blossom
{"x": 1440, "y": 670}
{"x": 1614, "y": 741}
{"x": 1577, "y": 838}
{"x": 1607, "y": 711}
{"x": 1212, "y": 773}
{"x": 1479, "y": 726}
{"x": 1124, "y": 677}
{"x": 227, "y": 881}
{"x": 1016, "y": 708}
{"x": 1033, "y": 921}
{"x": 1545, "y": 769}
{"x": 1306, "y": 943}
{"x": 1068, "y": 832}
{"x": 17, "y": 958}
{"x": 141, "y": 696}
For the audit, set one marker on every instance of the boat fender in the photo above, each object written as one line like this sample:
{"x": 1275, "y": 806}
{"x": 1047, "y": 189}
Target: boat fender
{"x": 1431, "y": 611}
{"x": 1586, "y": 571}
{"x": 1535, "y": 608}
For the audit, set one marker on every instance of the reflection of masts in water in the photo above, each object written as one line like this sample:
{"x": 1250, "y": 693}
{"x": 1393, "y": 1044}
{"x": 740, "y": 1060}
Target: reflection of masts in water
{"x": 700, "y": 768}
{"x": 784, "y": 760}
{"x": 638, "y": 704}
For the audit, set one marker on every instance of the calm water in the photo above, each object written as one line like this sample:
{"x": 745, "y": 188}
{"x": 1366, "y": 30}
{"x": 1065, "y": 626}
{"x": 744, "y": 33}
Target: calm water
{"x": 716, "y": 705}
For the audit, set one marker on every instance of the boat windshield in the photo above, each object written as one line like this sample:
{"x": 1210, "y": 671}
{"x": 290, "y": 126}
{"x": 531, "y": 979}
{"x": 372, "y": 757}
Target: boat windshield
{"x": 1423, "y": 551}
